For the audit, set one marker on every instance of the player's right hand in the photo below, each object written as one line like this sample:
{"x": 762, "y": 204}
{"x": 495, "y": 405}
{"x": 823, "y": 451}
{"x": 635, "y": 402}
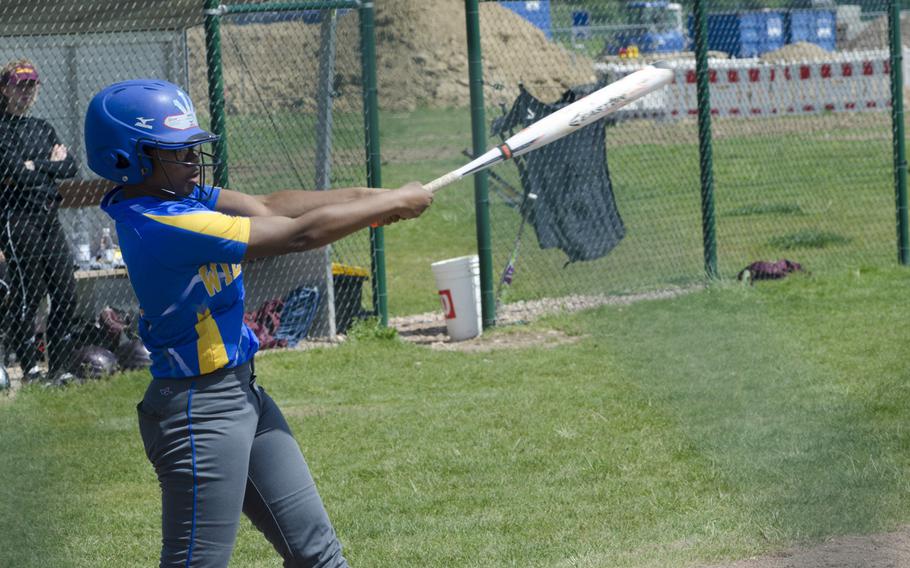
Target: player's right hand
{"x": 414, "y": 200}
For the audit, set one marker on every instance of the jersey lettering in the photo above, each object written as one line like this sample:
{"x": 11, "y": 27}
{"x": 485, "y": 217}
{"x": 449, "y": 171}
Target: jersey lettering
{"x": 211, "y": 276}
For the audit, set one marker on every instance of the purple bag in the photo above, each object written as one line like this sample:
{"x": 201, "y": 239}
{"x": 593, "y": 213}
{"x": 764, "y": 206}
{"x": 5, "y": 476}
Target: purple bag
{"x": 767, "y": 270}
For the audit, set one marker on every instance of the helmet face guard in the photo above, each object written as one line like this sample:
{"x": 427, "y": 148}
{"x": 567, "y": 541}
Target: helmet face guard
{"x": 195, "y": 157}
{"x": 126, "y": 119}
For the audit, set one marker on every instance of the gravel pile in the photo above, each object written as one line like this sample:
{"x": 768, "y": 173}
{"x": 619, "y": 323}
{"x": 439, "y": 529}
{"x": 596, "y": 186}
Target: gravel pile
{"x": 799, "y": 51}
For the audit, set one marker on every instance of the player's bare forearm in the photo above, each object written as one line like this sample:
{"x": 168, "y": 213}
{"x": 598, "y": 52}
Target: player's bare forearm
{"x": 272, "y": 236}
{"x": 294, "y": 203}
{"x": 287, "y": 203}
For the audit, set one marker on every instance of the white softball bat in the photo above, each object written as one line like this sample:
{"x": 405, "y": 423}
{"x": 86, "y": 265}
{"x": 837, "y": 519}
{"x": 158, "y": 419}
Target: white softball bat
{"x": 566, "y": 120}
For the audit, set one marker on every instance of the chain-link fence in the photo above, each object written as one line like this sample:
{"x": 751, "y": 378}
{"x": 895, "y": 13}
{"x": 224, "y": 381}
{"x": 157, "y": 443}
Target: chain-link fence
{"x": 802, "y": 143}
{"x": 800, "y": 116}
{"x": 292, "y": 118}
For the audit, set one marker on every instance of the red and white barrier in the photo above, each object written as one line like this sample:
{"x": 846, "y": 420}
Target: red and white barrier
{"x": 846, "y": 82}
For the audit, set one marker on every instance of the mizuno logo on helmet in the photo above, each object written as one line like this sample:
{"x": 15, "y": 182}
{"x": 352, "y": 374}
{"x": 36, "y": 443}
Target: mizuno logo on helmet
{"x": 187, "y": 117}
{"x": 144, "y": 122}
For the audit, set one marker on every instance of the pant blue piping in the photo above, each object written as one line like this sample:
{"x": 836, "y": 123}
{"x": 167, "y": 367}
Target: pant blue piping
{"x": 189, "y": 417}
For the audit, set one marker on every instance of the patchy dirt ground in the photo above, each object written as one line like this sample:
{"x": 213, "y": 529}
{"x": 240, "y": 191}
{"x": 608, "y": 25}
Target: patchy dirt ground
{"x": 430, "y": 328}
{"x": 886, "y": 550}
{"x": 433, "y": 335}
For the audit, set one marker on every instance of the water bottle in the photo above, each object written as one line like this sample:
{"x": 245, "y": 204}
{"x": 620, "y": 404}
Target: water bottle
{"x": 106, "y": 248}
{"x": 83, "y": 250}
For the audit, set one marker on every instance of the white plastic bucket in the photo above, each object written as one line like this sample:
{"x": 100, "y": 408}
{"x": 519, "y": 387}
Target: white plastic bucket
{"x": 458, "y": 282}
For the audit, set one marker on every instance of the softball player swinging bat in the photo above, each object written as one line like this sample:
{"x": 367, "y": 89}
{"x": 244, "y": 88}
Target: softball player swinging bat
{"x": 218, "y": 443}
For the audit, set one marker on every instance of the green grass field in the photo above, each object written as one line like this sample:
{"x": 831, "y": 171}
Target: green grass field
{"x": 727, "y": 423}
{"x": 723, "y": 424}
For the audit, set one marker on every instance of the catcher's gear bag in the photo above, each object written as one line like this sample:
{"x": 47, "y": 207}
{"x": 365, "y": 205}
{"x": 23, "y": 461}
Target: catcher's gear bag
{"x": 767, "y": 270}
{"x": 264, "y": 322}
{"x": 297, "y": 315}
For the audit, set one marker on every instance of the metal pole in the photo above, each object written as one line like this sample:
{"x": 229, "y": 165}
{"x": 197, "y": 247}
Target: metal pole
{"x": 216, "y": 88}
{"x": 897, "y": 132}
{"x": 374, "y": 173}
{"x": 479, "y": 142}
{"x": 324, "y": 99}
{"x": 324, "y": 102}
{"x": 705, "y": 150}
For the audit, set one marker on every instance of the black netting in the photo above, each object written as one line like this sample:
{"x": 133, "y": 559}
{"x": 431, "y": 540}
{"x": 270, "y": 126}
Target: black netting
{"x": 802, "y": 162}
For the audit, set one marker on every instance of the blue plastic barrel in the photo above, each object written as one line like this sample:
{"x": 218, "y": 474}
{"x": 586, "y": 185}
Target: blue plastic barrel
{"x": 581, "y": 18}
{"x": 813, "y": 26}
{"x": 535, "y": 11}
{"x": 744, "y": 34}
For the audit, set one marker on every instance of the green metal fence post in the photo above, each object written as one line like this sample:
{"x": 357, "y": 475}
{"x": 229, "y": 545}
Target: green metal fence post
{"x": 704, "y": 139}
{"x": 216, "y": 88}
{"x": 479, "y": 143}
{"x": 374, "y": 174}
{"x": 897, "y": 132}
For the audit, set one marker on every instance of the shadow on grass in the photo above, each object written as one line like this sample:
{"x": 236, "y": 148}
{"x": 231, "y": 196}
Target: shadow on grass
{"x": 805, "y": 434}
{"x": 766, "y": 209}
{"x": 808, "y": 238}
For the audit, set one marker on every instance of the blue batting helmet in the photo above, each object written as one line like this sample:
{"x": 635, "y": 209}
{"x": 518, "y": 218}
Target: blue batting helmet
{"x": 125, "y": 118}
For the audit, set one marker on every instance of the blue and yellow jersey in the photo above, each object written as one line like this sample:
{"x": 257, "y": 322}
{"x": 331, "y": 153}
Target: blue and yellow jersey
{"x": 183, "y": 260}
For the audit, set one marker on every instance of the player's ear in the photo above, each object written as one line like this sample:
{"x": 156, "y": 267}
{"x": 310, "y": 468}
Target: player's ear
{"x": 148, "y": 160}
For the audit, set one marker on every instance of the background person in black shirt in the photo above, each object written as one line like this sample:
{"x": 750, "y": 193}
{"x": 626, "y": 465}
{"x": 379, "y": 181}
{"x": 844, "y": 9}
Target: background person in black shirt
{"x": 32, "y": 160}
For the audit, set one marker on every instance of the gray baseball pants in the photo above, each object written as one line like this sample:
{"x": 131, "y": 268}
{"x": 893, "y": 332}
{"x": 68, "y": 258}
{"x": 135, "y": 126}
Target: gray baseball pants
{"x": 220, "y": 446}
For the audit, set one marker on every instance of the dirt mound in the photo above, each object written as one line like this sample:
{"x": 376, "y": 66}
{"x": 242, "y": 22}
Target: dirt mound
{"x": 515, "y": 51}
{"x": 799, "y": 51}
{"x": 421, "y": 59}
{"x": 875, "y": 35}
{"x": 273, "y": 65}
{"x": 883, "y": 550}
